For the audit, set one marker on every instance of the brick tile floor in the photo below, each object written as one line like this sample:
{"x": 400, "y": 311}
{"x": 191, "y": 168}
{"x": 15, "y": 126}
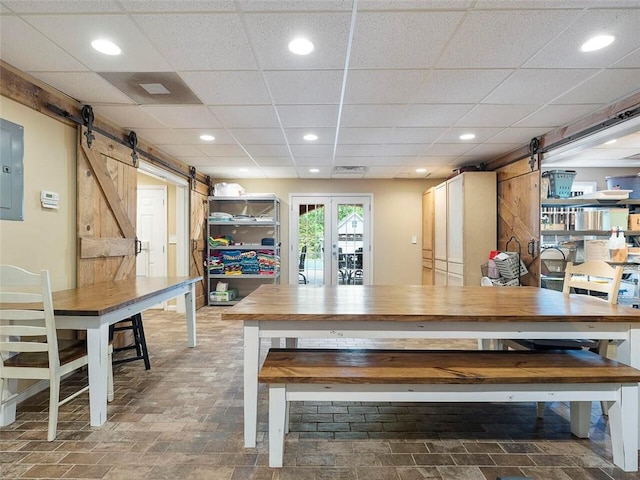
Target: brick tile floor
{"x": 183, "y": 420}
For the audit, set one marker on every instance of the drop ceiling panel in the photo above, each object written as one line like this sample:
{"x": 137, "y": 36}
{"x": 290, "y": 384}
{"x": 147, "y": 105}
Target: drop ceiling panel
{"x": 274, "y": 161}
{"x": 496, "y": 115}
{"x": 503, "y": 39}
{"x": 414, "y": 4}
{"x": 229, "y": 150}
{"x": 192, "y": 135}
{"x": 42, "y": 54}
{"x": 383, "y": 86}
{"x": 267, "y": 150}
{"x": 63, "y": 6}
{"x": 199, "y": 41}
{"x": 564, "y": 51}
{"x": 246, "y": 116}
{"x": 177, "y": 5}
{"x": 391, "y": 39}
{"x": 268, "y": 136}
{"x": 305, "y": 86}
{"x": 372, "y": 115}
{"x": 182, "y": 151}
{"x": 308, "y": 115}
{"x": 280, "y": 172}
{"x": 86, "y": 87}
{"x": 541, "y": 86}
{"x": 74, "y": 33}
{"x": 326, "y": 136}
{"x": 177, "y": 116}
{"x": 447, "y": 149}
{"x": 324, "y": 151}
{"x": 552, "y": 116}
{"x": 421, "y": 115}
{"x": 630, "y": 61}
{"x": 517, "y": 136}
{"x": 376, "y": 161}
{"x": 235, "y": 162}
{"x": 271, "y": 33}
{"x": 286, "y": 5}
{"x": 459, "y": 86}
{"x": 608, "y": 86}
{"x": 160, "y": 136}
{"x": 228, "y": 87}
{"x": 129, "y": 117}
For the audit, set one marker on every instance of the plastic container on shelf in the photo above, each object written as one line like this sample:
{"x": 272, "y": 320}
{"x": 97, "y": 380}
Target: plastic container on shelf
{"x": 560, "y": 182}
{"x": 625, "y": 182}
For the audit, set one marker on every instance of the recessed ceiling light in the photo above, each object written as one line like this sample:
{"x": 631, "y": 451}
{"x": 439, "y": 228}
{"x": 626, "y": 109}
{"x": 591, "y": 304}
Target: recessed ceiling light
{"x": 467, "y": 136}
{"x": 421, "y": 170}
{"x": 596, "y": 43}
{"x": 310, "y": 137}
{"x": 314, "y": 170}
{"x": 301, "y": 46}
{"x": 106, "y": 46}
{"x": 207, "y": 138}
{"x": 610, "y": 142}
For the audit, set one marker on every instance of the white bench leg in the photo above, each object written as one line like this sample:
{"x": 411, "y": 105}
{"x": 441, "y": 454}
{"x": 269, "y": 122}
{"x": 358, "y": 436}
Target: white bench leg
{"x": 623, "y": 427}
{"x": 277, "y": 413}
{"x": 580, "y": 413}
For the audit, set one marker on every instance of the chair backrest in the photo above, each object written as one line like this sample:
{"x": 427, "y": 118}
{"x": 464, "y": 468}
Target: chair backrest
{"x": 26, "y": 318}
{"x": 303, "y": 256}
{"x": 596, "y": 276}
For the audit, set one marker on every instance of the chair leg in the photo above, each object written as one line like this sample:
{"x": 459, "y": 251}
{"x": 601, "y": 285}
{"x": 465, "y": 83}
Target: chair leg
{"x": 540, "y": 409}
{"x": 54, "y": 402}
{"x": 141, "y": 341}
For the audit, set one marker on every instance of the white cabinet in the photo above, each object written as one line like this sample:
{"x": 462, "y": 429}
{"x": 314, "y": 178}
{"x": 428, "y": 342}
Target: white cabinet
{"x": 465, "y": 221}
{"x": 243, "y": 245}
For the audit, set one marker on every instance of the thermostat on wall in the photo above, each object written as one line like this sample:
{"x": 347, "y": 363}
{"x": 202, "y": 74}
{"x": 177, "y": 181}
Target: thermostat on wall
{"x": 49, "y": 199}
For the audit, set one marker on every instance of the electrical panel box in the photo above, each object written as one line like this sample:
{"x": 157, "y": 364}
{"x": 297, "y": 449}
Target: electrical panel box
{"x": 12, "y": 174}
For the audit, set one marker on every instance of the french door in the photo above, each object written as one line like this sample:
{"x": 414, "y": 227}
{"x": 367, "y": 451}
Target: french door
{"x": 330, "y": 239}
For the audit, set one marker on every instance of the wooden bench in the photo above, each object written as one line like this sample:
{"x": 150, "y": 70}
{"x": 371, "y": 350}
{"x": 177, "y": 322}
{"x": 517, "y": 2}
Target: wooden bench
{"x": 578, "y": 377}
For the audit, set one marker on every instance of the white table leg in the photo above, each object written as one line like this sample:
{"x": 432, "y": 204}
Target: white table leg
{"x": 623, "y": 418}
{"x": 97, "y": 346}
{"x": 580, "y": 414}
{"x": 190, "y": 307}
{"x": 629, "y": 352}
{"x": 251, "y": 366}
{"x": 277, "y": 420}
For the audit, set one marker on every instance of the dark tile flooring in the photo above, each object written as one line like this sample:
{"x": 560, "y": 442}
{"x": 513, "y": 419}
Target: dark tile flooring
{"x": 183, "y": 420}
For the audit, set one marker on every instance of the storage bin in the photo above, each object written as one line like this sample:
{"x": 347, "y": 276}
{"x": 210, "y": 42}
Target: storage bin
{"x": 625, "y": 182}
{"x": 560, "y": 182}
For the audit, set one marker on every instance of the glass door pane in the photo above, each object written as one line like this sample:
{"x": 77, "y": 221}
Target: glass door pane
{"x": 350, "y": 230}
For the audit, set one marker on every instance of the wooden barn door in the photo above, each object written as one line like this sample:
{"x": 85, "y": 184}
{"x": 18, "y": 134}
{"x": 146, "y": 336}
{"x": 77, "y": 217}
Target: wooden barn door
{"x": 106, "y": 204}
{"x": 199, "y": 213}
{"x": 519, "y": 214}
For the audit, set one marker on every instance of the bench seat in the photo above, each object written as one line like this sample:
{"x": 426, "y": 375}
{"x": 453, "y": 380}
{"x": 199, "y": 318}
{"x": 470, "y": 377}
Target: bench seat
{"x": 579, "y": 377}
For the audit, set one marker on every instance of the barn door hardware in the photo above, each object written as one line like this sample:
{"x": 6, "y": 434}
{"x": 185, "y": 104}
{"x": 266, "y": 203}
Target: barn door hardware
{"x": 534, "y": 149}
{"x": 132, "y": 138}
{"x": 192, "y": 173}
{"x": 87, "y": 118}
{"x": 207, "y": 179}
{"x": 138, "y": 247}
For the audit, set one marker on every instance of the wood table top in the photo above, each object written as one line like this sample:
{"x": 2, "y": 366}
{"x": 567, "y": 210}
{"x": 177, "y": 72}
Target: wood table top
{"x": 102, "y": 298}
{"x": 422, "y": 303}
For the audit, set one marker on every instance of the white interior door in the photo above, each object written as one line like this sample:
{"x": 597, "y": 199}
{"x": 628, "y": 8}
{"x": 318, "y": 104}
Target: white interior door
{"x": 330, "y": 239}
{"x": 152, "y": 231}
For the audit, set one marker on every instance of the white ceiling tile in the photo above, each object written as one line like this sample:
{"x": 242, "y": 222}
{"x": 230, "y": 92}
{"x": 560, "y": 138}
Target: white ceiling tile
{"x": 517, "y": 136}
{"x": 481, "y": 133}
{"x": 326, "y": 136}
{"x": 300, "y": 87}
{"x": 502, "y": 39}
{"x": 382, "y": 172}
{"x": 564, "y": 51}
{"x": 312, "y": 162}
{"x": 199, "y": 41}
{"x": 541, "y": 86}
{"x": 402, "y": 149}
{"x": 257, "y": 150}
{"x": 459, "y": 86}
{"x": 372, "y": 115}
{"x": 289, "y": 5}
{"x": 266, "y": 136}
{"x": 181, "y": 150}
{"x": 383, "y": 86}
{"x": 423, "y": 115}
{"x": 448, "y": 149}
{"x": 388, "y": 39}
{"x": 246, "y": 116}
{"x": 489, "y": 151}
{"x": 374, "y": 161}
{"x": 312, "y": 151}
{"x": 178, "y": 116}
{"x": 630, "y": 61}
{"x": 234, "y": 162}
{"x": 274, "y": 161}
{"x": 227, "y": 87}
{"x": 86, "y": 87}
{"x": 74, "y": 33}
{"x": 270, "y": 33}
{"x": 495, "y": 115}
{"x": 142, "y": 6}
{"x": 215, "y": 150}
{"x": 308, "y": 115}
{"x": 546, "y": 4}
{"x": 368, "y": 135}
{"x": 62, "y": 6}
{"x": 160, "y": 136}
{"x": 414, "y": 4}
{"x": 192, "y": 135}
{"x": 280, "y": 172}
{"x": 551, "y": 116}
{"x": 128, "y": 116}
{"x": 42, "y": 55}
{"x": 358, "y": 151}
{"x": 605, "y": 87}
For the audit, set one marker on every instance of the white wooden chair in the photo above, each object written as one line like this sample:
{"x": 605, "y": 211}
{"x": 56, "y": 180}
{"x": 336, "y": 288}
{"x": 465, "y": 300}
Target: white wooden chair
{"x": 594, "y": 276}
{"x": 29, "y": 347}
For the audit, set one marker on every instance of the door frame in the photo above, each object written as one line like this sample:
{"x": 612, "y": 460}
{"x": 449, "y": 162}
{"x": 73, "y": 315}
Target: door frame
{"x": 367, "y": 258}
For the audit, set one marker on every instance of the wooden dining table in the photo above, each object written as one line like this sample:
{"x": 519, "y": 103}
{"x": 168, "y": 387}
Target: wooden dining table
{"x": 416, "y": 311}
{"x": 93, "y": 308}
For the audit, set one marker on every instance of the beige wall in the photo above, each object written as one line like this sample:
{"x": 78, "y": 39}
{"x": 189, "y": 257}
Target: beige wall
{"x": 397, "y": 216}
{"x": 45, "y": 239}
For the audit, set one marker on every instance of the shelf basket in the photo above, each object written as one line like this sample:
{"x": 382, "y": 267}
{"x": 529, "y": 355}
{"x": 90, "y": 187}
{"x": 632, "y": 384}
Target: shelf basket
{"x": 508, "y": 267}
